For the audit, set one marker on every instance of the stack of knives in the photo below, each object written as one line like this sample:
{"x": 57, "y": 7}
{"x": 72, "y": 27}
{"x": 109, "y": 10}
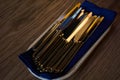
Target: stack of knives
{"x": 55, "y": 50}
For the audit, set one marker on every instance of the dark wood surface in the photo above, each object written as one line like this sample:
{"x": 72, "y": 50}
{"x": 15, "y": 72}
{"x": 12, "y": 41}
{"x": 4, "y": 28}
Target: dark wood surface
{"x": 22, "y": 21}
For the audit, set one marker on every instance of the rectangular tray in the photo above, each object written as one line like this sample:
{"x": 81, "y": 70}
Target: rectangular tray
{"x": 84, "y": 51}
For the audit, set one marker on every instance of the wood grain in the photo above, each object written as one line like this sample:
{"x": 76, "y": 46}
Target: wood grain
{"x": 22, "y": 21}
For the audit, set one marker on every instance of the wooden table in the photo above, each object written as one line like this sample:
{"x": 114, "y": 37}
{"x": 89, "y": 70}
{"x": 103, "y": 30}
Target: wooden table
{"x": 22, "y": 21}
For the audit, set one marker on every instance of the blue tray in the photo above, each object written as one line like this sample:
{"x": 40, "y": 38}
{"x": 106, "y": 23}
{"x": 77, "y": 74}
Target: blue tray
{"x": 101, "y": 30}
